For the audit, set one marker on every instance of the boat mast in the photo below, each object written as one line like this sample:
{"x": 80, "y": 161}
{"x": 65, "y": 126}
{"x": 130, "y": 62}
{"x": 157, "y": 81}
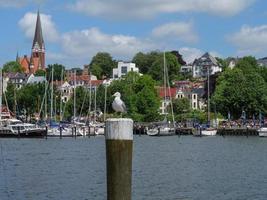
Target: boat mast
{"x": 95, "y": 106}
{"x": 208, "y": 94}
{"x": 60, "y": 109}
{"x": 164, "y": 83}
{"x": 74, "y": 98}
{"x": 90, "y": 96}
{"x": 105, "y": 105}
{"x": 52, "y": 90}
{"x": 1, "y": 92}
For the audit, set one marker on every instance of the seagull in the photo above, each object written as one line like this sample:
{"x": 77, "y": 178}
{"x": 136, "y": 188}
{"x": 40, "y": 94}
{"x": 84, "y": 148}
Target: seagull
{"x": 118, "y": 105}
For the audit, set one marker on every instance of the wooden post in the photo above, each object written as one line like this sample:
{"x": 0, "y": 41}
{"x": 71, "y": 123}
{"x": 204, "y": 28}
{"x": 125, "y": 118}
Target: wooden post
{"x": 60, "y": 131}
{"x": 72, "y": 131}
{"x": 46, "y": 130}
{"x": 89, "y": 131}
{"x": 119, "y": 147}
{"x": 18, "y": 131}
{"x": 75, "y": 131}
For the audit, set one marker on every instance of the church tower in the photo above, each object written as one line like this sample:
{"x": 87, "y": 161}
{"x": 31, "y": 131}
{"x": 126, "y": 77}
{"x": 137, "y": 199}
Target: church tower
{"x": 37, "y": 60}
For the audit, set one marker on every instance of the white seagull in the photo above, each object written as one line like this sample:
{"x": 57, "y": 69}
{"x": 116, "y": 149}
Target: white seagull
{"x": 118, "y": 105}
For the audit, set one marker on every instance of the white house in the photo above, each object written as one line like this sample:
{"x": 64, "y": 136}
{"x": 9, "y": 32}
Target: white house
{"x": 66, "y": 90}
{"x": 123, "y": 69}
{"x": 202, "y": 64}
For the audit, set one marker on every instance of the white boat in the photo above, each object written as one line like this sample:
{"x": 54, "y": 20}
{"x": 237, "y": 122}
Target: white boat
{"x": 65, "y": 132}
{"x": 205, "y": 132}
{"x": 16, "y": 128}
{"x": 161, "y": 131}
{"x": 209, "y": 132}
{"x": 262, "y": 132}
{"x": 94, "y": 129}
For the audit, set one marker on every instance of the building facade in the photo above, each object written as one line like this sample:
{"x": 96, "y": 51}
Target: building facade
{"x": 123, "y": 69}
{"x": 205, "y": 63}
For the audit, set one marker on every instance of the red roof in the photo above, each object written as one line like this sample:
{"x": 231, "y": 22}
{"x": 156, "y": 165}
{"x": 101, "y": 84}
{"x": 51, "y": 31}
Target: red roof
{"x": 169, "y": 92}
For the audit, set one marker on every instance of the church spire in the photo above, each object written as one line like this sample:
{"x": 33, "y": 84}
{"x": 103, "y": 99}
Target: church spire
{"x": 38, "y": 41}
{"x": 37, "y": 60}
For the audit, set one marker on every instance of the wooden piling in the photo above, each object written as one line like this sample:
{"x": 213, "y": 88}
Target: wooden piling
{"x": 89, "y": 131}
{"x": 119, "y": 147}
{"x": 46, "y": 132}
{"x": 60, "y": 131}
{"x": 75, "y": 131}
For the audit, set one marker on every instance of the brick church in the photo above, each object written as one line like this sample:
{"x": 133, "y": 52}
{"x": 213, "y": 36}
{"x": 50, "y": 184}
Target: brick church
{"x": 37, "y": 59}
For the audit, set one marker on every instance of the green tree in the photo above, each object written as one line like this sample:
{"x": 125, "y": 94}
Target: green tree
{"x": 144, "y": 61}
{"x": 40, "y": 72}
{"x": 156, "y": 70}
{"x": 181, "y": 106}
{"x": 57, "y": 71}
{"x": 238, "y": 90}
{"x": 138, "y": 93}
{"x": 102, "y": 65}
{"x": 12, "y": 66}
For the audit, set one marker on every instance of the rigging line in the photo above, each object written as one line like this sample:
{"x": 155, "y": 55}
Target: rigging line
{"x": 168, "y": 84}
{"x": 4, "y": 168}
{"x": 83, "y": 104}
{"x": 45, "y": 95}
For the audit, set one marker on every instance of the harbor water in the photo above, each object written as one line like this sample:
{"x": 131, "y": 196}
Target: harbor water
{"x": 164, "y": 168}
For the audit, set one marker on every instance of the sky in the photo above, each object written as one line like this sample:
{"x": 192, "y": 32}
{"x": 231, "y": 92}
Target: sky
{"x": 75, "y": 30}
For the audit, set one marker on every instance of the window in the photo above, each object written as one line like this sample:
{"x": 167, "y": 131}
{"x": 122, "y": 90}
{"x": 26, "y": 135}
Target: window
{"x": 124, "y": 70}
{"x": 195, "y": 96}
{"x": 195, "y": 105}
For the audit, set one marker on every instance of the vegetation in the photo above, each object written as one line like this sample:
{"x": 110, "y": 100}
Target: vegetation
{"x": 242, "y": 88}
{"x": 12, "y": 66}
{"x": 102, "y": 64}
{"x": 57, "y": 71}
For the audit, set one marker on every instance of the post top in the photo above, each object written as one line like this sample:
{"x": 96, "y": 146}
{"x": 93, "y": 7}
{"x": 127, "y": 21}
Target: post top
{"x": 119, "y": 129}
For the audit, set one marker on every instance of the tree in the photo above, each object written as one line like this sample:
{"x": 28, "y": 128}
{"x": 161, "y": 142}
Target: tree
{"x": 181, "y": 106}
{"x": 237, "y": 90}
{"x": 138, "y": 93}
{"x": 40, "y": 72}
{"x": 57, "y": 71}
{"x": 102, "y": 65}
{"x": 156, "y": 70}
{"x": 12, "y": 66}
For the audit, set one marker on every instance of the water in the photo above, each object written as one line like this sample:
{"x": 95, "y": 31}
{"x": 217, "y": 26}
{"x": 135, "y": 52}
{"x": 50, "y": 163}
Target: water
{"x": 168, "y": 168}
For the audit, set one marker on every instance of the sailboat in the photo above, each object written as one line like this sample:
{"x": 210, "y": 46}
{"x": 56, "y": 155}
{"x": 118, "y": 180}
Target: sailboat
{"x": 55, "y": 129}
{"x": 164, "y": 128}
{"x": 209, "y": 131}
{"x": 12, "y": 127}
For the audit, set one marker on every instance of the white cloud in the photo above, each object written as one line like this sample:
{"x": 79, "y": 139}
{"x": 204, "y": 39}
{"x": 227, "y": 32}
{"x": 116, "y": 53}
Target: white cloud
{"x": 250, "y": 40}
{"x": 28, "y": 22}
{"x": 122, "y": 9}
{"x": 86, "y": 43}
{"x": 190, "y": 54}
{"x": 181, "y": 31}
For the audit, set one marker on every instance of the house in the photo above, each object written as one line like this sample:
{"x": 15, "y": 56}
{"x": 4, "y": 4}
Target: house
{"x": 79, "y": 77}
{"x": 194, "y": 92}
{"x": 186, "y": 68}
{"x": 262, "y": 62}
{"x": 66, "y": 91}
{"x": 232, "y": 62}
{"x": 18, "y": 79}
{"x": 35, "y": 79}
{"x": 202, "y": 64}
{"x": 197, "y": 99}
{"x": 123, "y": 69}
{"x": 165, "y": 102}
